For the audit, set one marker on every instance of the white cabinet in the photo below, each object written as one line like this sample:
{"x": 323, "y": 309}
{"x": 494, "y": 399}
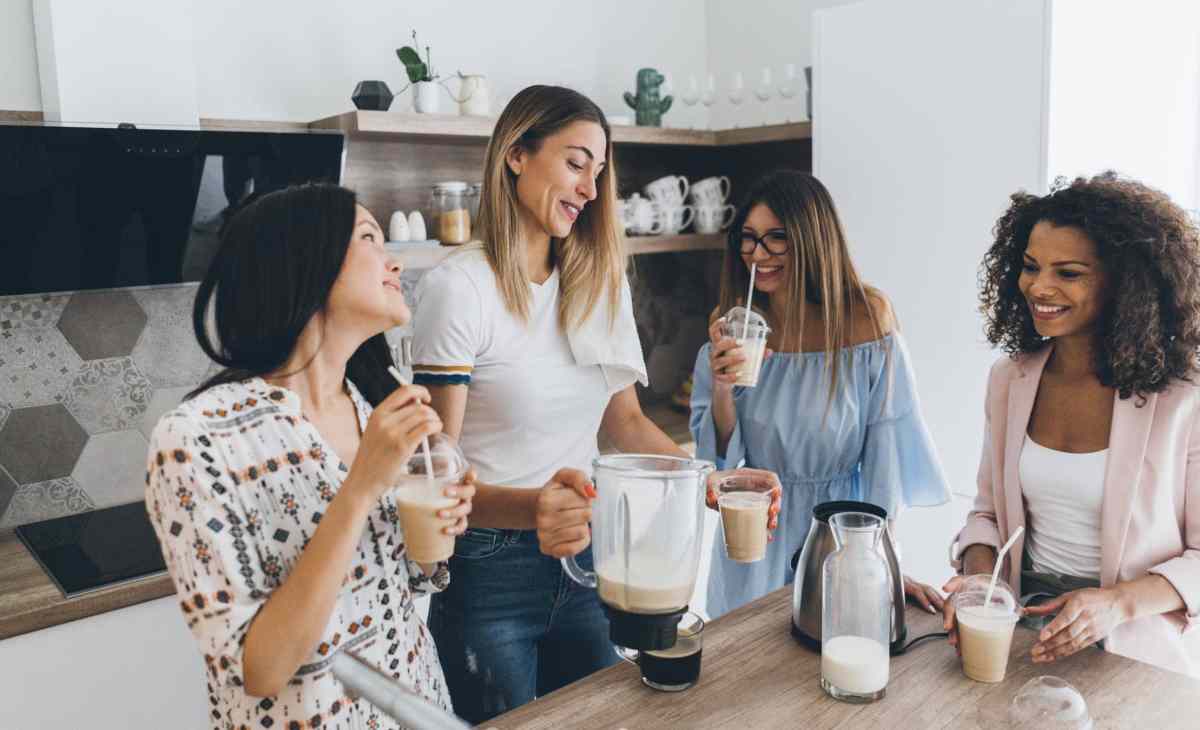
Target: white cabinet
{"x": 136, "y": 667}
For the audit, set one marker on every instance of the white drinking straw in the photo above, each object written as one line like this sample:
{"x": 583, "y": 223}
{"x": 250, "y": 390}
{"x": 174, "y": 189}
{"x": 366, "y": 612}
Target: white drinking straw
{"x": 987, "y": 600}
{"x": 424, "y": 439}
{"x": 749, "y": 296}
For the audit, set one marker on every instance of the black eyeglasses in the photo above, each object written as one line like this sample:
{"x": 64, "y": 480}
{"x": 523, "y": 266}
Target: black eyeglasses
{"x": 775, "y": 241}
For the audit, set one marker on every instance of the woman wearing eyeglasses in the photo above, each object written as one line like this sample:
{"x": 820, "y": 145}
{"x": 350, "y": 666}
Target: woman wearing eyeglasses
{"x": 835, "y": 413}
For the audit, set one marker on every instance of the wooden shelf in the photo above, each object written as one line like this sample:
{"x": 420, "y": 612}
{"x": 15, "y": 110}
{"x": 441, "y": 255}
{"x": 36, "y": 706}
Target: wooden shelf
{"x": 767, "y": 133}
{"x": 424, "y": 257}
{"x": 637, "y": 245}
{"x": 450, "y": 127}
{"x": 410, "y": 127}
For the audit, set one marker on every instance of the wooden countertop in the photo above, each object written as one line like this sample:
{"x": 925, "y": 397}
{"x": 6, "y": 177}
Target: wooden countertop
{"x": 29, "y": 600}
{"x": 754, "y": 675}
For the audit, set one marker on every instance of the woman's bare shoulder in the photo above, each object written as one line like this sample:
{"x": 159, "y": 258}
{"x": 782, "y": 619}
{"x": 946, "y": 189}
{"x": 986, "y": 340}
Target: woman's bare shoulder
{"x": 875, "y": 321}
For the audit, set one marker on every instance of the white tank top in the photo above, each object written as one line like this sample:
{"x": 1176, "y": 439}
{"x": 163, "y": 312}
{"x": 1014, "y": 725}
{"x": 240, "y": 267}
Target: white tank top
{"x": 1063, "y": 493}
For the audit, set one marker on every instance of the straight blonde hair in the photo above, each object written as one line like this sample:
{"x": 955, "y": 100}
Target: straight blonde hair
{"x": 591, "y": 259}
{"x": 822, "y": 271}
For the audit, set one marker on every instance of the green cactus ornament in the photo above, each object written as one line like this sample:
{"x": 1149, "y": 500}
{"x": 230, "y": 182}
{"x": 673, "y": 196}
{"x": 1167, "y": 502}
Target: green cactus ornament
{"x": 647, "y": 104}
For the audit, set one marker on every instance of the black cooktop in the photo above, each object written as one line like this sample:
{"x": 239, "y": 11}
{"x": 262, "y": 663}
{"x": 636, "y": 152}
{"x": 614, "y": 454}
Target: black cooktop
{"x": 94, "y": 550}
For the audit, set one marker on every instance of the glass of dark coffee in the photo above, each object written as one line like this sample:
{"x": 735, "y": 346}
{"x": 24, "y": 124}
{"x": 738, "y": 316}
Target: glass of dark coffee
{"x": 674, "y": 669}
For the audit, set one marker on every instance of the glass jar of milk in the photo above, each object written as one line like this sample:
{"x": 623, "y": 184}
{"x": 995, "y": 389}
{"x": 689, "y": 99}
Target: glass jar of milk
{"x": 856, "y": 611}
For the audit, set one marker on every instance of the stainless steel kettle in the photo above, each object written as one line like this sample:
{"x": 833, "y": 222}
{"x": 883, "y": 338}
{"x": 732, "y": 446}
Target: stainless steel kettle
{"x": 807, "y": 562}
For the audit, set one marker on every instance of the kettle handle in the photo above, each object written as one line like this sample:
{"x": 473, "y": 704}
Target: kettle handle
{"x": 893, "y": 561}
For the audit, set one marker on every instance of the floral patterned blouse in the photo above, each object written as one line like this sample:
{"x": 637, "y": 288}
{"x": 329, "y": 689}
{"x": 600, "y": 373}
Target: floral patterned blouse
{"x": 236, "y": 483}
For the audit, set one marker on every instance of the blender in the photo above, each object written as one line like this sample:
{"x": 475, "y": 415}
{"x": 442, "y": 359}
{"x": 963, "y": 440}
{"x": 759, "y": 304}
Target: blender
{"x": 647, "y": 528}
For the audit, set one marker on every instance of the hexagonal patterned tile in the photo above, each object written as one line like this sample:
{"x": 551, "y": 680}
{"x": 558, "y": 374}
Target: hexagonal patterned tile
{"x": 173, "y": 301}
{"x": 36, "y": 366}
{"x": 35, "y": 311}
{"x": 112, "y": 468}
{"x": 108, "y": 395}
{"x": 102, "y": 324}
{"x": 44, "y": 501}
{"x": 8, "y": 487}
{"x": 37, "y": 444}
{"x": 161, "y": 402}
{"x": 167, "y": 353}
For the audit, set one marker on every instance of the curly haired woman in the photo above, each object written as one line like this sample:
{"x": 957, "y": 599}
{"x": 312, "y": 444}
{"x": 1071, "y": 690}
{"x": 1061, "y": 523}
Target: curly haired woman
{"x": 1092, "y": 441}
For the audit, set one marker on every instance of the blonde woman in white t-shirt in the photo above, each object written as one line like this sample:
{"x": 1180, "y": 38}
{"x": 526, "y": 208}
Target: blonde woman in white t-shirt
{"x": 506, "y": 338}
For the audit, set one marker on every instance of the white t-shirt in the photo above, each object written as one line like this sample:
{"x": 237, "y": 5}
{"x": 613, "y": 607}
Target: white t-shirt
{"x": 1063, "y": 494}
{"x": 531, "y": 410}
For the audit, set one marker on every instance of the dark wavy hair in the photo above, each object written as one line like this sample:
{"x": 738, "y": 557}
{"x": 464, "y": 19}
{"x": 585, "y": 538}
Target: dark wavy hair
{"x": 1149, "y": 331}
{"x": 278, "y": 258}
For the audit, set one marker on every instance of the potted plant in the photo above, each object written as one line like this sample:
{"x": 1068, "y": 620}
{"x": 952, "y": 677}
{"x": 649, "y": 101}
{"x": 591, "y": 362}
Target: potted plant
{"x": 421, "y": 76}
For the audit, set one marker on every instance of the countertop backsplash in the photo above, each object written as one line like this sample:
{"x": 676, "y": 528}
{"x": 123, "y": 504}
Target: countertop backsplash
{"x": 85, "y": 376}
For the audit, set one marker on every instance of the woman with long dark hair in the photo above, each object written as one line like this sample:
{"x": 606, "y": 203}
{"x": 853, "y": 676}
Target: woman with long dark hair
{"x": 835, "y": 412}
{"x": 269, "y": 486}
{"x": 1092, "y": 440}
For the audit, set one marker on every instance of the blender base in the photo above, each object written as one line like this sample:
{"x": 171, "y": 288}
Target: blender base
{"x": 643, "y": 631}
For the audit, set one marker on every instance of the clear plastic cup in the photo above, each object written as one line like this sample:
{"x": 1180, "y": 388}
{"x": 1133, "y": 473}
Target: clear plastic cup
{"x": 1049, "y": 703}
{"x": 751, "y": 336}
{"x": 419, "y": 497}
{"x": 745, "y": 503}
{"x": 985, "y": 629}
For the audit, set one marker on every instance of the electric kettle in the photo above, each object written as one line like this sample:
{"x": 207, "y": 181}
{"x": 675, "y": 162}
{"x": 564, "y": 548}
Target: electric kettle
{"x": 808, "y": 561}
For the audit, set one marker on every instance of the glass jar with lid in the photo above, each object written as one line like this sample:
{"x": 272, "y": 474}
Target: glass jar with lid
{"x": 449, "y": 209}
{"x": 473, "y": 202}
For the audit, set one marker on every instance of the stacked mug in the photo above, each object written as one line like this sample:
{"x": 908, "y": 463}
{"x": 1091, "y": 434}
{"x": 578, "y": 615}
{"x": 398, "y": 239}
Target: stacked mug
{"x": 709, "y": 198}
{"x": 639, "y": 216}
{"x": 667, "y": 195}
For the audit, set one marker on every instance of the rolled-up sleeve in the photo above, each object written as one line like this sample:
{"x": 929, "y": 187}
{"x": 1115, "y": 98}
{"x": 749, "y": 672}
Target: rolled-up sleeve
{"x": 1183, "y": 571}
{"x": 704, "y": 429}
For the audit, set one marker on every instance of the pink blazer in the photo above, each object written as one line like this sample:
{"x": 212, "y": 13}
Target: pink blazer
{"x": 1150, "y": 518}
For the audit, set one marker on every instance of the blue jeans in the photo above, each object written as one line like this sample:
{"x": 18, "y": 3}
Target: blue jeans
{"x": 512, "y": 626}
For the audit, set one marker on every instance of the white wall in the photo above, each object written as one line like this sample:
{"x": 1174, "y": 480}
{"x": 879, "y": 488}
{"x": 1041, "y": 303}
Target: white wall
{"x": 19, "y": 86}
{"x": 136, "y": 667}
{"x": 745, "y": 36}
{"x": 301, "y": 60}
{"x": 927, "y": 116}
{"x": 288, "y": 60}
{"x": 1125, "y": 92}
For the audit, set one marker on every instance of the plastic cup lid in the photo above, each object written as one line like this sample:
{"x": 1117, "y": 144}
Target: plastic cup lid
{"x": 1048, "y": 702}
{"x": 445, "y": 456}
{"x": 974, "y": 592}
{"x": 736, "y": 316}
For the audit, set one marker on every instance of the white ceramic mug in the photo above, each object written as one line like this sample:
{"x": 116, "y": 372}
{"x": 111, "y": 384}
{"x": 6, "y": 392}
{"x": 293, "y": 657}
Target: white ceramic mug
{"x": 675, "y": 217}
{"x": 714, "y": 218}
{"x": 642, "y": 217}
{"x": 670, "y": 190}
{"x": 711, "y": 191}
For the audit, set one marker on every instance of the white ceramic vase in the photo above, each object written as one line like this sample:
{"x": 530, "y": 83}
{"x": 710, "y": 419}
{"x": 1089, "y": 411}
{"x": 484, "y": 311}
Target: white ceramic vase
{"x": 425, "y": 97}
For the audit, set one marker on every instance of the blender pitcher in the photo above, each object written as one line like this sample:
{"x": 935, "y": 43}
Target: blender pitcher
{"x": 647, "y": 527}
